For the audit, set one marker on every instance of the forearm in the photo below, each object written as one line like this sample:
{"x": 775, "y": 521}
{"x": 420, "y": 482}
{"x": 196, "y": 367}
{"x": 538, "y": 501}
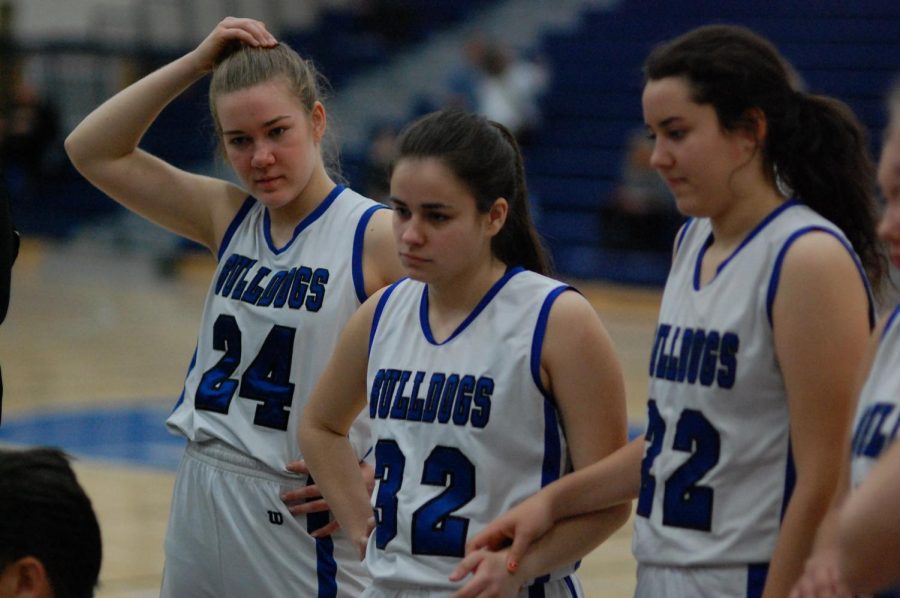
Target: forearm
{"x": 335, "y": 469}
{"x": 612, "y": 481}
{"x": 571, "y": 539}
{"x": 805, "y": 513}
{"x": 114, "y": 129}
{"x": 869, "y": 528}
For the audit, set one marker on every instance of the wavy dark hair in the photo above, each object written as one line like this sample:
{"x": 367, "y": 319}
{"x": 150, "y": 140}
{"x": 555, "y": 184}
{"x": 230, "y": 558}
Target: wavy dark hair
{"x": 485, "y": 156}
{"x": 814, "y": 144}
{"x": 45, "y": 514}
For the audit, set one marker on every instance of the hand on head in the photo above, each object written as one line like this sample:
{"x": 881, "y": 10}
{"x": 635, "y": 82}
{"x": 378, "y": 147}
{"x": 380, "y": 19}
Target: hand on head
{"x": 230, "y": 30}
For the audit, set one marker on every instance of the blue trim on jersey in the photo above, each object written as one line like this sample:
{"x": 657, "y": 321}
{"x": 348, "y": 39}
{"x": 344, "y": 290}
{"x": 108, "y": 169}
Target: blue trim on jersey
{"x": 235, "y": 223}
{"x": 184, "y": 386}
{"x": 756, "y": 230}
{"x": 790, "y": 479}
{"x": 356, "y": 267}
{"x": 890, "y": 320}
{"x": 779, "y": 260}
{"x": 551, "y": 469}
{"x": 326, "y": 566}
{"x": 681, "y": 234}
{"x": 538, "y": 587}
{"x": 423, "y": 307}
{"x": 304, "y": 224}
{"x": 537, "y": 341}
{"x": 376, "y": 317}
{"x": 756, "y": 579}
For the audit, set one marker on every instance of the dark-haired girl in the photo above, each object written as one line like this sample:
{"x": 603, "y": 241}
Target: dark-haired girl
{"x": 762, "y": 327}
{"x": 483, "y": 378}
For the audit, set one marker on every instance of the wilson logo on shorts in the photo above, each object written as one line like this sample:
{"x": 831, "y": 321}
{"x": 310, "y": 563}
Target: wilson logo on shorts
{"x": 275, "y": 518}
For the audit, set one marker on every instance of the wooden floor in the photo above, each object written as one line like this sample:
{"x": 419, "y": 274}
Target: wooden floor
{"x": 90, "y": 327}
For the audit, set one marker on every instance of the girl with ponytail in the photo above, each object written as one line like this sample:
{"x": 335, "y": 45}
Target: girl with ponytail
{"x": 473, "y": 395}
{"x": 762, "y": 327}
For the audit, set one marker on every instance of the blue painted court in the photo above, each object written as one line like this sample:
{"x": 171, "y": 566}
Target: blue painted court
{"x": 130, "y": 434}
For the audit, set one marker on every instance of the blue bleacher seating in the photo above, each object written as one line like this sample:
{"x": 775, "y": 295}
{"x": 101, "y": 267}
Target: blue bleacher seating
{"x": 844, "y": 49}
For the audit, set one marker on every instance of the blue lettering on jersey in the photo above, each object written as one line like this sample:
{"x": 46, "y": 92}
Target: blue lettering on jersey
{"x": 692, "y": 355}
{"x": 462, "y": 399}
{"x": 876, "y": 430}
{"x": 300, "y": 287}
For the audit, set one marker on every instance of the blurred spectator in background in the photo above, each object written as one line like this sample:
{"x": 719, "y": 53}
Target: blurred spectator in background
{"x": 30, "y": 128}
{"x": 641, "y": 213}
{"x": 464, "y": 81}
{"x": 510, "y": 90}
{"x": 375, "y": 182}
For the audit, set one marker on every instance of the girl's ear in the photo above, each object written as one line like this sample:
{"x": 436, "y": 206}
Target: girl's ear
{"x": 496, "y": 216}
{"x": 318, "y": 119}
{"x": 757, "y": 126}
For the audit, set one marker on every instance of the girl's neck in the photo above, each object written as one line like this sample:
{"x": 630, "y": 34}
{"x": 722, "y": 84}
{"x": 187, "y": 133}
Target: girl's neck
{"x": 732, "y": 225}
{"x": 286, "y": 218}
{"x": 451, "y": 301}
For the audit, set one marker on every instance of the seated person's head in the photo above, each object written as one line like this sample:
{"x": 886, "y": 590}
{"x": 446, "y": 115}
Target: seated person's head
{"x": 49, "y": 535}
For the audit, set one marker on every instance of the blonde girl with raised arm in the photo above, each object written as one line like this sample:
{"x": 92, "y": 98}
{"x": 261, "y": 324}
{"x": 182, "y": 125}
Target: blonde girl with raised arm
{"x": 297, "y": 254}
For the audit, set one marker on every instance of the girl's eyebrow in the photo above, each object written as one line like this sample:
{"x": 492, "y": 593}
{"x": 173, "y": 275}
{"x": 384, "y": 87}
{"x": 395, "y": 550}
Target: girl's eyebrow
{"x": 666, "y": 121}
{"x": 427, "y": 206}
{"x": 268, "y": 123}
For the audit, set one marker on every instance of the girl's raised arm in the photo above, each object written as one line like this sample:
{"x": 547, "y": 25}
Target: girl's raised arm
{"x": 104, "y": 146}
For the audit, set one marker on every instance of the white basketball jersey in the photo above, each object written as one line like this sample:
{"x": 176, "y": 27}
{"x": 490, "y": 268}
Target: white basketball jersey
{"x": 271, "y": 321}
{"x": 878, "y": 413}
{"x": 463, "y": 429}
{"x": 717, "y": 471}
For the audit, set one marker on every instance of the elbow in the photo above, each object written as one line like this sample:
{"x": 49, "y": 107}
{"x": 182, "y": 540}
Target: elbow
{"x": 304, "y": 436}
{"x": 868, "y": 558}
{"x": 864, "y": 575}
{"x": 74, "y": 150}
{"x": 621, "y": 513}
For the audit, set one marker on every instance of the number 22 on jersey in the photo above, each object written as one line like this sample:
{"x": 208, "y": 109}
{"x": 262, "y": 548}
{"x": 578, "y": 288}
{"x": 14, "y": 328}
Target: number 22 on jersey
{"x": 686, "y": 503}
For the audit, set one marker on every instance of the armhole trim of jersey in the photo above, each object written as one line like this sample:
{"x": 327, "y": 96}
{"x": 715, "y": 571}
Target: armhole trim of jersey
{"x": 890, "y": 321}
{"x": 682, "y": 233}
{"x": 184, "y": 386}
{"x": 379, "y": 309}
{"x": 779, "y": 261}
{"x": 235, "y": 223}
{"x": 537, "y": 340}
{"x": 790, "y": 480}
{"x": 359, "y": 237}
